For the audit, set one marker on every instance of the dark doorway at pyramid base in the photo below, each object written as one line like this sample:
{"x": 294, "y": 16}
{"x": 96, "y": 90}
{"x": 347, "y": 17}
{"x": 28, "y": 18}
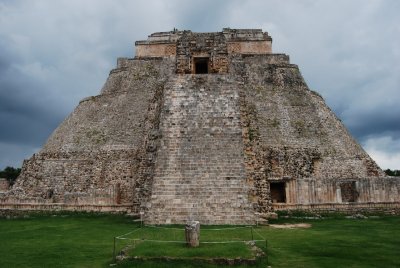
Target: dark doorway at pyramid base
{"x": 201, "y": 65}
{"x": 278, "y": 192}
{"x": 349, "y": 192}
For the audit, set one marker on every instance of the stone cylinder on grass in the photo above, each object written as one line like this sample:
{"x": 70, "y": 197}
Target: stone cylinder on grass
{"x": 192, "y": 234}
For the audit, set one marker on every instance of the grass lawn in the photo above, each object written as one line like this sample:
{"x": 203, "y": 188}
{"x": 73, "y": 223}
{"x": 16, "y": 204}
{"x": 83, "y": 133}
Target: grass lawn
{"x": 85, "y": 240}
{"x": 338, "y": 243}
{"x": 69, "y": 240}
{"x": 145, "y": 246}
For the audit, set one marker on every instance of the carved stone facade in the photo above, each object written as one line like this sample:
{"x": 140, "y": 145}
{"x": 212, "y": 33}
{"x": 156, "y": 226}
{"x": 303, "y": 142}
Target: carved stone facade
{"x": 213, "y": 48}
{"x": 211, "y": 127}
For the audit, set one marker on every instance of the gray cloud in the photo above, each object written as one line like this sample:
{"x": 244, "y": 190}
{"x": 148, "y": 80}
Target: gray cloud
{"x": 54, "y": 53}
{"x": 22, "y": 108}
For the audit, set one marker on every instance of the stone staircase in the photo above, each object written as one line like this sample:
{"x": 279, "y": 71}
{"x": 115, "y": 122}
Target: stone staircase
{"x": 200, "y": 172}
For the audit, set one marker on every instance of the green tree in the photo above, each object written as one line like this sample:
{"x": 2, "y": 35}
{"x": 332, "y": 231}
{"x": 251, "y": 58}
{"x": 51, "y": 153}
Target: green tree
{"x": 392, "y": 172}
{"x": 10, "y": 173}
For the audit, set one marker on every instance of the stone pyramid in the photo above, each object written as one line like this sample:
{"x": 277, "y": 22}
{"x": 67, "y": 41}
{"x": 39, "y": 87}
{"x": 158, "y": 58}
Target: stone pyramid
{"x": 202, "y": 126}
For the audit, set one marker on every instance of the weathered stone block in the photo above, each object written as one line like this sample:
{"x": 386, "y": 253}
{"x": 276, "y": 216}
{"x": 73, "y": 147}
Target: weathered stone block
{"x": 192, "y": 234}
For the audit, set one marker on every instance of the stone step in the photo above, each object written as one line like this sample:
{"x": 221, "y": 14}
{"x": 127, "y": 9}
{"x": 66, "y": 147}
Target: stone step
{"x": 236, "y": 212}
{"x": 201, "y": 116}
{"x": 225, "y": 179}
{"x": 203, "y": 219}
{"x": 229, "y": 196}
{"x": 220, "y": 181}
{"x": 206, "y": 210}
{"x": 188, "y": 207}
{"x": 198, "y": 188}
{"x": 221, "y": 193}
{"x": 204, "y": 214}
{"x": 225, "y": 198}
{"x": 224, "y": 219}
{"x": 179, "y": 203}
{"x": 195, "y": 202}
{"x": 206, "y": 197}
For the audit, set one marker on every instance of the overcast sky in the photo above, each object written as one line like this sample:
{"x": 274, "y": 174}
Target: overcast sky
{"x": 54, "y": 53}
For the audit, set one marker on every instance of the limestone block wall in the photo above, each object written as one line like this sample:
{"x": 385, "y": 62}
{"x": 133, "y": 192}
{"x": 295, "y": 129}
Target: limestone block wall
{"x": 231, "y": 41}
{"x": 247, "y": 41}
{"x": 19, "y": 208}
{"x": 299, "y": 135}
{"x": 366, "y": 190}
{"x": 378, "y": 189}
{"x": 77, "y": 178}
{"x": 246, "y": 35}
{"x": 200, "y": 172}
{"x": 291, "y": 136}
{"x": 96, "y": 155}
{"x": 159, "y": 44}
{"x": 155, "y": 50}
{"x": 250, "y": 47}
{"x": 210, "y": 45}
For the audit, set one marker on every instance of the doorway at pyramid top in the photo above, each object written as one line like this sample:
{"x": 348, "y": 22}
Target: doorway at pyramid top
{"x": 201, "y": 53}
{"x": 201, "y": 65}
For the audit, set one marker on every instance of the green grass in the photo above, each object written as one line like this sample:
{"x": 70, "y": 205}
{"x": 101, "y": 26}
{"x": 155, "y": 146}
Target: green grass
{"x": 60, "y": 241}
{"x": 85, "y": 240}
{"x": 146, "y": 249}
{"x": 145, "y": 243}
{"x": 338, "y": 243}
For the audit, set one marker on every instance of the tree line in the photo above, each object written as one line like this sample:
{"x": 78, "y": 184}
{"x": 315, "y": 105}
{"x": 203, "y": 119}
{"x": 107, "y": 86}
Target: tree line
{"x": 10, "y": 173}
{"x": 392, "y": 172}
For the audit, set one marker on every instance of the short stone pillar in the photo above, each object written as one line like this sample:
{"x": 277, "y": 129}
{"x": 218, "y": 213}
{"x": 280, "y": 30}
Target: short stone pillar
{"x": 192, "y": 234}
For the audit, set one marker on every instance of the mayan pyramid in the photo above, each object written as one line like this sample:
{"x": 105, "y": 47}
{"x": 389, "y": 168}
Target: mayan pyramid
{"x": 206, "y": 126}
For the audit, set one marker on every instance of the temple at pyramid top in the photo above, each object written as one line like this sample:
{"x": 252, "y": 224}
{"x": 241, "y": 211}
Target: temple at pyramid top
{"x": 204, "y": 52}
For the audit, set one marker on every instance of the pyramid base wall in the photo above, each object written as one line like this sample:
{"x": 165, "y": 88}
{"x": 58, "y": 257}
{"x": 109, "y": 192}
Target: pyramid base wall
{"x": 346, "y": 208}
{"x": 338, "y": 191}
{"x": 392, "y": 208}
{"x": 315, "y": 195}
{"x": 66, "y": 207}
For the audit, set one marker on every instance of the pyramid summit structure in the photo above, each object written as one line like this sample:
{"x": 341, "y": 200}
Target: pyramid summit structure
{"x": 213, "y": 127}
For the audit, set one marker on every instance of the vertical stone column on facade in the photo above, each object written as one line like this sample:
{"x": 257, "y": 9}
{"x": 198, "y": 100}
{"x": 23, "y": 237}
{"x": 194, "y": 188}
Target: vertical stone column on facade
{"x": 117, "y": 193}
{"x": 253, "y": 159}
{"x": 148, "y": 152}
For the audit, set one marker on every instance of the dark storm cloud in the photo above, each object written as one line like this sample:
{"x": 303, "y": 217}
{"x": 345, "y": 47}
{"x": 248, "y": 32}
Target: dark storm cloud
{"x": 24, "y": 121}
{"x": 375, "y": 123}
{"x": 54, "y": 53}
{"x": 23, "y": 107}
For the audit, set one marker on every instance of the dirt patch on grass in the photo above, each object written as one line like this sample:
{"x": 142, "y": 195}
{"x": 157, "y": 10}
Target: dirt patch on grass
{"x": 290, "y": 226}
